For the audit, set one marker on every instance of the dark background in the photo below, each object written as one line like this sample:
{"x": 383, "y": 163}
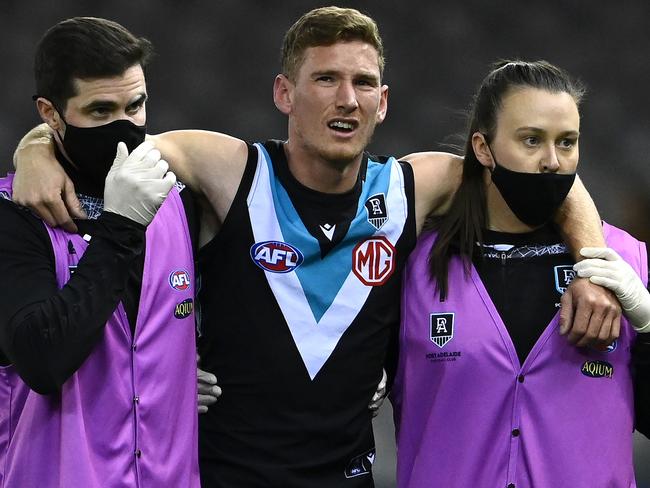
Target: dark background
{"x": 217, "y": 60}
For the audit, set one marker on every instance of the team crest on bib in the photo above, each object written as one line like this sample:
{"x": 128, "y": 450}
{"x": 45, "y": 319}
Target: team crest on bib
{"x": 376, "y": 210}
{"x": 276, "y": 256}
{"x": 442, "y": 328}
{"x": 563, "y": 276}
{"x": 373, "y": 260}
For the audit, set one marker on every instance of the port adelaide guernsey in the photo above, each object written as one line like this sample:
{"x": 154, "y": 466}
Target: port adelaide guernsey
{"x": 299, "y": 302}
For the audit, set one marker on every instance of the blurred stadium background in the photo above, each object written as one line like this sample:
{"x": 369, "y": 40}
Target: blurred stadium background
{"x": 217, "y": 60}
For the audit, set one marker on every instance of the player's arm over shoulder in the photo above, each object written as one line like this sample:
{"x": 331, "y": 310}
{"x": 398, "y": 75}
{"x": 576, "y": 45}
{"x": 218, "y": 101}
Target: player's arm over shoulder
{"x": 210, "y": 163}
{"x": 437, "y": 177}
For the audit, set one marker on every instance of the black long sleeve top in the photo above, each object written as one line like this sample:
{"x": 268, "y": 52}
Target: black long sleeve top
{"x": 519, "y": 273}
{"x": 47, "y": 332}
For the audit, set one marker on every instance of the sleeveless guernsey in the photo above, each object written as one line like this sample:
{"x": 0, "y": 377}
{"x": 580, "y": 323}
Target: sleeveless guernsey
{"x": 297, "y": 340}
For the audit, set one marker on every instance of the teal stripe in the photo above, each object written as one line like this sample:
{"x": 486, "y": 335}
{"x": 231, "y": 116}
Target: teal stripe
{"x": 321, "y": 279}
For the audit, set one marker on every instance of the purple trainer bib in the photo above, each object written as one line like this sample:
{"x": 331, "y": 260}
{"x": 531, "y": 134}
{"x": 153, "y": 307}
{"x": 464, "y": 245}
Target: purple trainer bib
{"x": 127, "y": 417}
{"x": 468, "y": 414}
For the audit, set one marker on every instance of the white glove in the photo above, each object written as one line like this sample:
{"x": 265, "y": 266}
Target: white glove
{"x": 137, "y": 183}
{"x": 612, "y": 272}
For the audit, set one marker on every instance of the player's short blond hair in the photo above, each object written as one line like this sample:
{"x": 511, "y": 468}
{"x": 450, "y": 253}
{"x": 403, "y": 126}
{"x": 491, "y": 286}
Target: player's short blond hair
{"x": 323, "y": 27}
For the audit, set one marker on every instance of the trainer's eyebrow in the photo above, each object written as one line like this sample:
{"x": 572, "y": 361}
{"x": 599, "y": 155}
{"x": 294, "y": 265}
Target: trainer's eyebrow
{"x": 139, "y": 100}
{"x": 539, "y": 130}
{"x": 95, "y": 104}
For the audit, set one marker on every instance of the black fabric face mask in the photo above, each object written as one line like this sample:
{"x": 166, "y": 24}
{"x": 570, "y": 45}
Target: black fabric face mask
{"x": 92, "y": 149}
{"x": 532, "y": 197}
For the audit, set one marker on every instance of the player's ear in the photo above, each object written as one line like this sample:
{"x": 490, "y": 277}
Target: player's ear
{"x": 383, "y": 104}
{"x": 283, "y": 94}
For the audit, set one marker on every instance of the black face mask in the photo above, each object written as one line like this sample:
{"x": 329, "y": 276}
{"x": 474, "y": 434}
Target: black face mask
{"x": 92, "y": 149}
{"x": 532, "y": 197}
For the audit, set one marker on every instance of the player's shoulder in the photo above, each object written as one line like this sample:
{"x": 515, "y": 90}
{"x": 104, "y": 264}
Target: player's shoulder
{"x": 431, "y": 158}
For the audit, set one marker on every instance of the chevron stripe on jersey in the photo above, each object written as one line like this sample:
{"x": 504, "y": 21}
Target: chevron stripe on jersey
{"x": 323, "y": 296}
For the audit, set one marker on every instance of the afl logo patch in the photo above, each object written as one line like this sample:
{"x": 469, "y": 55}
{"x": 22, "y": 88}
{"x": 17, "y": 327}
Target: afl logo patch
{"x": 360, "y": 465}
{"x": 184, "y": 309}
{"x": 179, "y": 280}
{"x": 276, "y": 257}
{"x": 373, "y": 261}
{"x": 597, "y": 369}
{"x": 4, "y": 194}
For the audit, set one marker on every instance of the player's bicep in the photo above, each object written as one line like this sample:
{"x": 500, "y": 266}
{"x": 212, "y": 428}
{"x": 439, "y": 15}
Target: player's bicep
{"x": 437, "y": 177}
{"x": 172, "y": 149}
{"x": 202, "y": 160}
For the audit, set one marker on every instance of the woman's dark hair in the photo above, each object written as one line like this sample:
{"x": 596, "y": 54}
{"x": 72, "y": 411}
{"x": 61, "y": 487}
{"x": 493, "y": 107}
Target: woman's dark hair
{"x": 461, "y": 227}
{"x": 85, "y": 48}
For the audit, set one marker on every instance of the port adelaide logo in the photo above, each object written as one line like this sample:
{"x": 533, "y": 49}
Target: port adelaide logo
{"x": 373, "y": 260}
{"x": 179, "y": 280}
{"x": 442, "y": 328}
{"x": 563, "y": 277}
{"x": 276, "y": 256}
{"x": 376, "y": 210}
{"x": 597, "y": 369}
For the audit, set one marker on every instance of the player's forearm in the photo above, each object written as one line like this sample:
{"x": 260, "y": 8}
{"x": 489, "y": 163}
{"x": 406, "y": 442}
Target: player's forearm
{"x": 579, "y": 221}
{"x": 40, "y": 138}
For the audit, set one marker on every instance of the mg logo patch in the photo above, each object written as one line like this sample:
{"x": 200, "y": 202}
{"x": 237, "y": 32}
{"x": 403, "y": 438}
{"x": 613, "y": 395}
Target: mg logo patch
{"x": 442, "y": 328}
{"x": 276, "y": 256}
{"x": 563, "y": 276}
{"x": 179, "y": 280}
{"x": 373, "y": 260}
{"x": 376, "y": 210}
{"x": 597, "y": 369}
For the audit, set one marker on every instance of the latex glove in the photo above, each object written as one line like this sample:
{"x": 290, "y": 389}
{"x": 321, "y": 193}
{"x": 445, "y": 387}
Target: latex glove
{"x": 611, "y": 271}
{"x": 208, "y": 391}
{"x": 137, "y": 183}
{"x": 379, "y": 396}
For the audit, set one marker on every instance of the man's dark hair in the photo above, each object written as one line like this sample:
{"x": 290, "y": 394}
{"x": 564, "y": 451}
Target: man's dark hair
{"x": 85, "y": 48}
